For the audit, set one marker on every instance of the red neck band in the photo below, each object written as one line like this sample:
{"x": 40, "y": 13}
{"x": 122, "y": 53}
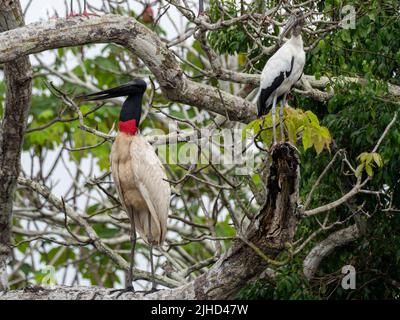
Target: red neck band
{"x": 128, "y": 127}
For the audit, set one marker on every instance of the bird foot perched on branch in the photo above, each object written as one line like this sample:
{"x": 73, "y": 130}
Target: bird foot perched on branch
{"x": 88, "y": 14}
{"x": 278, "y": 145}
{"x": 152, "y": 290}
{"x": 83, "y": 14}
{"x": 122, "y": 291}
{"x": 73, "y": 14}
{"x": 130, "y": 289}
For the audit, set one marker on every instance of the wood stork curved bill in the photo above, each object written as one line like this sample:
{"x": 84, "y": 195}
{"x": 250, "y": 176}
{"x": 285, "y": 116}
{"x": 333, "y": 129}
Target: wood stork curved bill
{"x": 138, "y": 174}
{"x": 282, "y": 71}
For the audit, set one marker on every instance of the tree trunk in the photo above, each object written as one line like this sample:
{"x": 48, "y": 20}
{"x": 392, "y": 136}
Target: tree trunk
{"x": 18, "y": 76}
{"x": 270, "y": 233}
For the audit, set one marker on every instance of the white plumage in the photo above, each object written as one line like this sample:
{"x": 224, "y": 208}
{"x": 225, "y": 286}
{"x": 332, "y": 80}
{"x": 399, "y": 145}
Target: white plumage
{"x": 282, "y": 71}
{"x": 138, "y": 174}
{"x": 280, "y": 65}
{"x": 141, "y": 184}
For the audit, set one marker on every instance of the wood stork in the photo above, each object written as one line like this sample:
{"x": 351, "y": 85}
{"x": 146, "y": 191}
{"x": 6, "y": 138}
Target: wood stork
{"x": 282, "y": 71}
{"x": 138, "y": 174}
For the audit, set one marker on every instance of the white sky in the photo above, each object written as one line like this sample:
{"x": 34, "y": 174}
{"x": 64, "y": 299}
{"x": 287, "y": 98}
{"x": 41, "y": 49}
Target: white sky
{"x": 42, "y": 9}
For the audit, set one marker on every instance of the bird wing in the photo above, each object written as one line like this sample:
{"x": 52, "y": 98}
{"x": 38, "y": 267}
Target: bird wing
{"x": 116, "y": 175}
{"x": 275, "y": 71}
{"x": 151, "y": 181}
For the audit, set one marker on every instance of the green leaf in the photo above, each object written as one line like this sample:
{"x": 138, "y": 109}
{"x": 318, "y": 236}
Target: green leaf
{"x": 307, "y": 143}
{"x": 359, "y": 169}
{"x": 369, "y": 170}
{"x": 377, "y": 159}
{"x": 325, "y": 133}
{"x": 319, "y": 144}
{"x": 45, "y": 114}
{"x": 363, "y": 156}
{"x": 253, "y": 126}
{"x": 291, "y": 130}
{"x": 313, "y": 118}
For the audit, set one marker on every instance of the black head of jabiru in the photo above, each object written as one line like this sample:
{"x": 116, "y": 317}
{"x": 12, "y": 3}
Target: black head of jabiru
{"x": 129, "y": 117}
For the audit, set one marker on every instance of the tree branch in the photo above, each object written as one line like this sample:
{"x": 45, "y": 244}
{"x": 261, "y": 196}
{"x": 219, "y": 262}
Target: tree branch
{"x": 326, "y": 247}
{"x": 94, "y": 239}
{"x": 138, "y": 39}
{"x": 18, "y": 76}
{"x": 270, "y": 232}
{"x": 144, "y": 43}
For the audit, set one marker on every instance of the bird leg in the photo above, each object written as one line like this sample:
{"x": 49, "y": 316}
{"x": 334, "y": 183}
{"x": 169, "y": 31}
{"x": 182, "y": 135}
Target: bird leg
{"x": 129, "y": 285}
{"x": 86, "y": 13}
{"x": 273, "y": 111}
{"x": 283, "y": 103}
{"x": 72, "y": 13}
{"x": 150, "y": 238}
{"x": 132, "y": 262}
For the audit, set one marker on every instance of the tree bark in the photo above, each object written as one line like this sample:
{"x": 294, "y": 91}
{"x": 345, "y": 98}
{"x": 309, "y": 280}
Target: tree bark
{"x": 270, "y": 233}
{"x": 326, "y": 247}
{"x": 144, "y": 43}
{"x": 139, "y": 40}
{"x": 272, "y": 229}
{"x": 18, "y": 76}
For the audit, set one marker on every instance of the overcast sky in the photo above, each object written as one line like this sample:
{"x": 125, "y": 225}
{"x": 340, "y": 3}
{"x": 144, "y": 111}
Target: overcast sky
{"x": 42, "y": 9}
{"x": 39, "y": 9}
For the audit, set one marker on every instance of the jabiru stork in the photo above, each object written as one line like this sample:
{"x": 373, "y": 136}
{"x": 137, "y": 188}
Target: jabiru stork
{"x": 137, "y": 172}
{"x": 282, "y": 71}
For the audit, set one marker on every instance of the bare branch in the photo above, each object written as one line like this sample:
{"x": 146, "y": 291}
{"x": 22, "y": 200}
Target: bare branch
{"x": 325, "y": 247}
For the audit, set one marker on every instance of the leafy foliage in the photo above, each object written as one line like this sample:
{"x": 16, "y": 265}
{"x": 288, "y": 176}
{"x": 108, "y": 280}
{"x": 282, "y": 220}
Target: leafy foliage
{"x": 368, "y": 161}
{"x": 298, "y": 125}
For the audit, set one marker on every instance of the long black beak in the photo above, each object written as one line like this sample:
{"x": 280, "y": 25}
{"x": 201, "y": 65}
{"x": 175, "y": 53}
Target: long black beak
{"x": 137, "y": 86}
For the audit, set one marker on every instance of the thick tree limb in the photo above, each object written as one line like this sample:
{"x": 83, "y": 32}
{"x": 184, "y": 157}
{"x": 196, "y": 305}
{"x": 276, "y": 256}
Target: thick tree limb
{"x": 18, "y": 76}
{"x": 269, "y": 234}
{"x": 326, "y": 247}
{"x": 89, "y": 293}
{"x": 141, "y": 41}
{"x": 94, "y": 239}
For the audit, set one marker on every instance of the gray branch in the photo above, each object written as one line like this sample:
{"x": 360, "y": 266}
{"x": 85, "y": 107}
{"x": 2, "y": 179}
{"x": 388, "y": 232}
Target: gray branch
{"x": 18, "y": 76}
{"x": 93, "y": 293}
{"x": 326, "y": 247}
{"x": 138, "y": 39}
{"x": 144, "y": 43}
{"x": 251, "y": 253}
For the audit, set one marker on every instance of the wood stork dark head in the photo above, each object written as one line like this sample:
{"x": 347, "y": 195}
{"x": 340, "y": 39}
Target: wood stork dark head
{"x": 294, "y": 23}
{"x": 129, "y": 117}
